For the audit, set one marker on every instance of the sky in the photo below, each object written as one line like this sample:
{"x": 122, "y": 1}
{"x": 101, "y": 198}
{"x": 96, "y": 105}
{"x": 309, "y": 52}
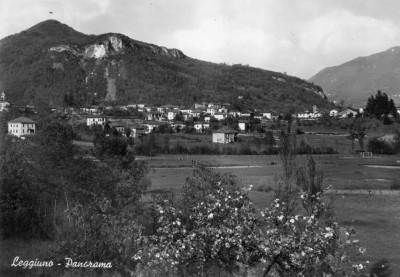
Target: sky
{"x": 299, "y": 37}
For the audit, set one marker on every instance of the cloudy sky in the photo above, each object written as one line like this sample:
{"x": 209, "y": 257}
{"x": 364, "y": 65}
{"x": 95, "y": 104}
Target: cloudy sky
{"x": 299, "y": 37}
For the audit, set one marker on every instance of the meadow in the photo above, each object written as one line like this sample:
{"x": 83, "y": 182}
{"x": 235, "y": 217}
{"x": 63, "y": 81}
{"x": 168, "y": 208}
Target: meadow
{"x": 340, "y": 171}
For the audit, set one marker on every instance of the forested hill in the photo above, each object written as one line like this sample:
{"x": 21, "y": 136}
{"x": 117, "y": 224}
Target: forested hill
{"x": 52, "y": 63}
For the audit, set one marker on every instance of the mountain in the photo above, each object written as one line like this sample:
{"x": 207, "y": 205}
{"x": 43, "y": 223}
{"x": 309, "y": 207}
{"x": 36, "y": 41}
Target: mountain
{"x": 356, "y": 80}
{"x": 52, "y": 63}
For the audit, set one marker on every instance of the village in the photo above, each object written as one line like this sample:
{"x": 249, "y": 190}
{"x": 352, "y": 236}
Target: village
{"x": 137, "y": 120}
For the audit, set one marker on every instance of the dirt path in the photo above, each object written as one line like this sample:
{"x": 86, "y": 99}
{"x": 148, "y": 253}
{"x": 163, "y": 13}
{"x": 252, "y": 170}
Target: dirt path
{"x": 367, "y": 192}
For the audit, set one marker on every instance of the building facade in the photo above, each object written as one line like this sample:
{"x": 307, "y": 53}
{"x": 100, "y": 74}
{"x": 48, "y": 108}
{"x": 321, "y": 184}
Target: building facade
{"x": 21, "y": 126}
{"x": 224, "y": 135}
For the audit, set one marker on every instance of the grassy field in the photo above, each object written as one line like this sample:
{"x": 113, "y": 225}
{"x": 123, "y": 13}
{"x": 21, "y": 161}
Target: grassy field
{"x": 340, "y": 171}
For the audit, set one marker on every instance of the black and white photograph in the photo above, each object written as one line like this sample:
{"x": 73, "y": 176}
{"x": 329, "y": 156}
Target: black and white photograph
{"x": 188, "y": 138}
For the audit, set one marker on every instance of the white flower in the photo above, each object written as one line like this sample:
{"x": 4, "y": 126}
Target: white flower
{"x": 280, "y": 218}
{"x": 277, "y": 205}
{"x": 362, "y": 250}
{"x": 292, "y": 220}
{"x": 210, "y": 216}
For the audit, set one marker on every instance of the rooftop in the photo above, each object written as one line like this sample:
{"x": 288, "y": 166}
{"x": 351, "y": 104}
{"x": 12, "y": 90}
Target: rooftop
{"x": 22, "y": 120}
{"x": 226, "y": 130}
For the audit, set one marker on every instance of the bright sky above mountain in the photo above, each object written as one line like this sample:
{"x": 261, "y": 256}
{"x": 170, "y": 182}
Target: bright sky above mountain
{"x": 299, "y": 37}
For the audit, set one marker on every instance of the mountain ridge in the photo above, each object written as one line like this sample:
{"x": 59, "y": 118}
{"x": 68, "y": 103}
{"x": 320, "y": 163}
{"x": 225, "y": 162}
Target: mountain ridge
{"x": 51, "y": 62}
{"x": 355, "y": 80}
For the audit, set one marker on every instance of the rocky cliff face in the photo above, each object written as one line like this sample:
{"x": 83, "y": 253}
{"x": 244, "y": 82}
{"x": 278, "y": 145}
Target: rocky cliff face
{"x": 114, "y": 44}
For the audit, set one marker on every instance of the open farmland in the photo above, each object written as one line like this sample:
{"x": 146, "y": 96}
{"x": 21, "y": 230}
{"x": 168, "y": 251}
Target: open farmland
{"x": 376, "y": 218}
{"x": 340, "y": 171}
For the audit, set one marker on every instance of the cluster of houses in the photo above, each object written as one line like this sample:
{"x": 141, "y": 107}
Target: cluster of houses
{"x": 177, "y": 118}
{"x": 171, "y": 116}
{"x": 315, "y": 114}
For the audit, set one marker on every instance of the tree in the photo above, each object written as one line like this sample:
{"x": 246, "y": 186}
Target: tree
{"x": 380, "y": 106}
{"x": 214, "y": 230}
{"x": 307, "y": 241}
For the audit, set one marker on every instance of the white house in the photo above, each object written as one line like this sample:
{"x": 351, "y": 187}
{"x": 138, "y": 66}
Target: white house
{"x": 186, "y": 110}
{"x": 267, "y": 115}
{"x": 90, "y": 110}
{"x": 161, "y": 109}
{"x": 333, "y": 113}
{"x": 243, "y": 125}
{"x": 234, "y": 113}
{"x": 171, "y": 114}
{"x": 195, "y": 113}
{"x": 95, "y": 120}
{"x": 219, "y": 116}
{"x": 21, "y": 126}
{"x": 153, "y": 115}
{"x": 150, "y": 126}
{"x": 346, "y": 113}
{"x": 119, "y": 127}
{"x": 137, "y": 131}
{"x": 223, "y": 110}
{"x": 224, "y": 135}
{"x": 247, "y": 114}
{"x": 211, "y": 111}
{"x": 309, "y": 115}
{"x": 201, "y": 126}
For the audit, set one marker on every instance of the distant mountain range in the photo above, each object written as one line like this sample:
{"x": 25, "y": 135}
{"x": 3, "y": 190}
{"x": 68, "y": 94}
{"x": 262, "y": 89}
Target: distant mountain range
{"x": 53, "y": 64}
{"x": 356, "y": 80}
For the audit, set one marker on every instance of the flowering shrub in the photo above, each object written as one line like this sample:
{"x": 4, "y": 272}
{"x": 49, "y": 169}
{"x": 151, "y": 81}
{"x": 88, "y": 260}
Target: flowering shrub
{"x": 220, "y": 232}
{"x": 306, "y": 244}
